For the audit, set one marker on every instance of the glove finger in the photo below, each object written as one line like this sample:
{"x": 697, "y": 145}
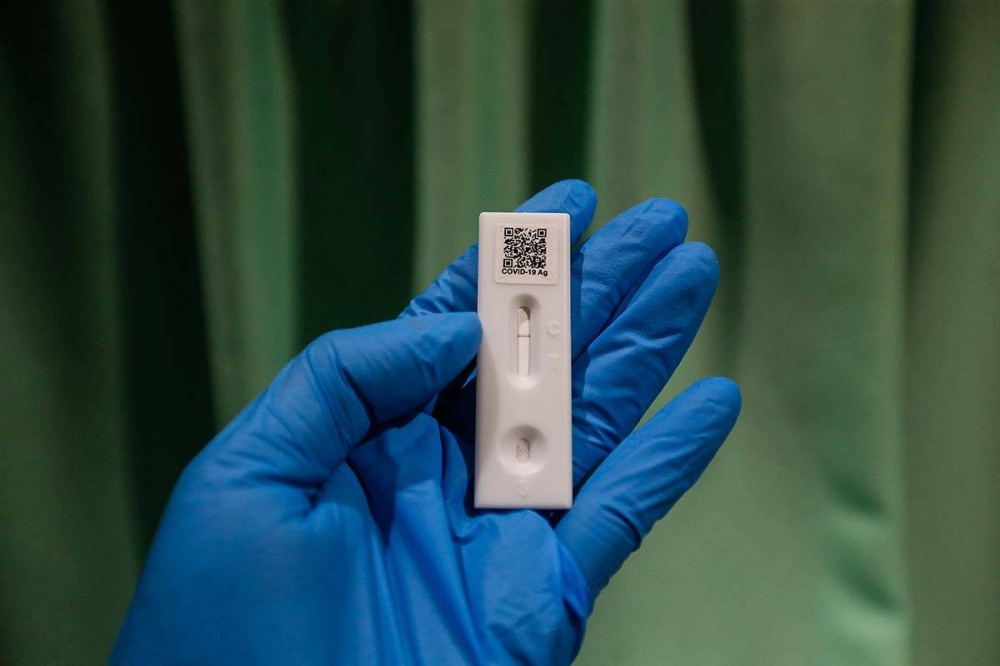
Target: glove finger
{"x": 626, "y": 367}
{"x": 454, "y": 290}
{"x": 644, "y": 477}
{"x": 609, "y": 267}
{"x": 327, "y": 399}
{"x": 616, "y": 259}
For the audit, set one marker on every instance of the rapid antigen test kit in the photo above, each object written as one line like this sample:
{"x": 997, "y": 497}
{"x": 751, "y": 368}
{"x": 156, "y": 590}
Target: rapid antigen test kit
{"x": 524, "y": 455}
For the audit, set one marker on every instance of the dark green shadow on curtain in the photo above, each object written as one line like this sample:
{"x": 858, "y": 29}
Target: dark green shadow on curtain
{"x": 168, "y": 397}
{"x": 353, "y": 68}
{"x": 715, "y": 38}
{"x": 559, "y": 87}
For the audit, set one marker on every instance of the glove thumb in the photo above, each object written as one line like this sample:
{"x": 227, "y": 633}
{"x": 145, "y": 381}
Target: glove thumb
{"x": 327, "y": 399}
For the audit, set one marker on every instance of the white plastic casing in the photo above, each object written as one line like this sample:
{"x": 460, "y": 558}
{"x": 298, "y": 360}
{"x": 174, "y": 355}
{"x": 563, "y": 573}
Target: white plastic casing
{"x": 524, "y": 455}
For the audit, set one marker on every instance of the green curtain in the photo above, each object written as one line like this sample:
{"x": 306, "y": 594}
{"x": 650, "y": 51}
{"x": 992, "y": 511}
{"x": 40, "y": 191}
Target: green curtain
{"x": 189, "y": 192}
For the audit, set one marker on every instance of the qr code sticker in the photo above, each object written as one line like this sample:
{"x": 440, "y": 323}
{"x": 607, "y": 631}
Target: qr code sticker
{"x": 525, "y": 247}
{"x": 526, "y": 255}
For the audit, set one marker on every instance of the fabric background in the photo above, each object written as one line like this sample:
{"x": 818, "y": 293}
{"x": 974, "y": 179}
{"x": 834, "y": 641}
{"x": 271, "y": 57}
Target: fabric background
{"x": 190, "y": 192}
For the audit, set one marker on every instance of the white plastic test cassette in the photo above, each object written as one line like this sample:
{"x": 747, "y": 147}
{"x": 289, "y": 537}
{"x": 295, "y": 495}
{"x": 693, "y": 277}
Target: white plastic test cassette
{"x": 524, "y": 455}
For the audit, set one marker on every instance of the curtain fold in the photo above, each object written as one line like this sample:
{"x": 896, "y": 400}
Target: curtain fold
{"x": 471, "y": 139}
{"x": 67, "y": 547}
{"x": 189, "y": 193}
{"x": 953, "y": 329}
{"x": 237, "y": 92}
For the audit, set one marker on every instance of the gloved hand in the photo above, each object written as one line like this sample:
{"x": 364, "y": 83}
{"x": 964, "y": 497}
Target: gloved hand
{"x": 331, "y": 521}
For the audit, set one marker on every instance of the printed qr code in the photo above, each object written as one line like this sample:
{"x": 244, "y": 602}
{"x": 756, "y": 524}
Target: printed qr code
{"x": 525, "y": 248}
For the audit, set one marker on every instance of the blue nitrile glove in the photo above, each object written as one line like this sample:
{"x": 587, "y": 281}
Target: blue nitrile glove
{"x": 331, "y": 521}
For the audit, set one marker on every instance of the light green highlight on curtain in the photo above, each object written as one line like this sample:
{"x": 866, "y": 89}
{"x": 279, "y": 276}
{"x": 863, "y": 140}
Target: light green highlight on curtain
{"x": 827, "y": 204}
{"x": 472, "y": 132}
{"x": 236, "y": 76}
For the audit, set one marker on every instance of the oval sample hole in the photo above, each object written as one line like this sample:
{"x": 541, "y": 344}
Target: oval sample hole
{"x": 522, "y": 451}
